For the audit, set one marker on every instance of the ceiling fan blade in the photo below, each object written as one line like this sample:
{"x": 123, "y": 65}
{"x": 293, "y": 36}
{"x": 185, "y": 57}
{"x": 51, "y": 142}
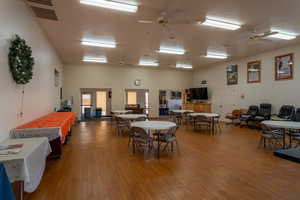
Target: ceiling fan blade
{"x": 146, "y": 21}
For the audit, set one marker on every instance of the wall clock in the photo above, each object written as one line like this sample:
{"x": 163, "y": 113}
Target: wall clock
{"x": 137, "y": 82}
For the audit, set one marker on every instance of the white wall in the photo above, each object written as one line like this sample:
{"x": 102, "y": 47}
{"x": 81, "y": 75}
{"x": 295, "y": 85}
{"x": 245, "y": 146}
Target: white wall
{"x": 121, "y": 78}
{"x": 41, "y": 96}
{"x": 226, "y": 98}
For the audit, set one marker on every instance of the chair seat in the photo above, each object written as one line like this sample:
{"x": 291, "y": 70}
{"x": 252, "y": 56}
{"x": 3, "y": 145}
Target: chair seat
{"x": 270, "y": 136}
{"x": 168, "y": 139}
{"x": 259, "y": 118}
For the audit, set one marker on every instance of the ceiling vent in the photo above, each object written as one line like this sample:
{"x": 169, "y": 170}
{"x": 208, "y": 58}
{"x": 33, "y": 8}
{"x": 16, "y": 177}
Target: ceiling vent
{"x": 43, "y": 2}
{"x": 44, "y": 13}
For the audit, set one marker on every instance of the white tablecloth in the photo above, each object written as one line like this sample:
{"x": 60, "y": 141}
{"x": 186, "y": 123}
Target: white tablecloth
{"x": 182, "y": 111}
{"x": 209, "y": 115}
{"x": 29, "y": 164}
{"x": 121, "y": 111}
{"x": 153, "y": 125}
{"x": 282, "y": 124}
{"x": 51, "y": 133}
{"x": 131, "y": 116}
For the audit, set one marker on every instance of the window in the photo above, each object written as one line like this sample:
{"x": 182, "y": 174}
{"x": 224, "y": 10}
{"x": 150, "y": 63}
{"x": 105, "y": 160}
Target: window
{"x": 86, "y": 100}
{"x": 131, "y": 98}
{"x": 101, "y": 101}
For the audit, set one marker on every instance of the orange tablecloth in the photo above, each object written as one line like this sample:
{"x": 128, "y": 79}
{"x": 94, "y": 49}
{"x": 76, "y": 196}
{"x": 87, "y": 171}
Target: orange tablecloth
{"x": 64, "y": 120}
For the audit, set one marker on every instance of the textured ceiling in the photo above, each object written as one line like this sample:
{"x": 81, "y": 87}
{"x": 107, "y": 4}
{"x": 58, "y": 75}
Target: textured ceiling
{"x": 136, "y": 40}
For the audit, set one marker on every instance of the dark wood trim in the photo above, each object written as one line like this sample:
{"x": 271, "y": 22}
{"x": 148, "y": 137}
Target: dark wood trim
{"x": 292, "y": 70}
{"x": 248, "y": 66}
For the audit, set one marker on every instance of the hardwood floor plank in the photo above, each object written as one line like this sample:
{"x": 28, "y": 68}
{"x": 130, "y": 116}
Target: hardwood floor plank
{"x": 97, "y": 164}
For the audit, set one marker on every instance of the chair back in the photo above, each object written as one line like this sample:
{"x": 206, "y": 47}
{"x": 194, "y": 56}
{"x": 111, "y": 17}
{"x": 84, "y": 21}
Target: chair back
{"x": 172, "y": 132}
{"x": 297, "y": 115}
{"x": 265, "y": 109}
{"x": 287, "y": 112}
{"x": 139, "y": 132}
{"x": 202, "y": 119}
{"x": 236, "y": 112}
{"x": 141, "y": 119}
{"x": 253, "y": 110}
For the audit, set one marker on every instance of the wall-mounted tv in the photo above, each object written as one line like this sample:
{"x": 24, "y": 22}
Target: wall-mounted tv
{"x": 199, "y": 93}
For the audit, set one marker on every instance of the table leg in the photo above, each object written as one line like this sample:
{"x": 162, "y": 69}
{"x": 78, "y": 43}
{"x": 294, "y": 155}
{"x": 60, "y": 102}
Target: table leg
{"x": 158, "y": 144}
{"x": 283, "y": 142}
{"x": 213, "y": 125}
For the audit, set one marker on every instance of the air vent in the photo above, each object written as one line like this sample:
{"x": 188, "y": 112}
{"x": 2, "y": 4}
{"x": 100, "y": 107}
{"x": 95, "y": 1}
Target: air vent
{"x": 44, "y": 13}
{"x": 43, "y": 2}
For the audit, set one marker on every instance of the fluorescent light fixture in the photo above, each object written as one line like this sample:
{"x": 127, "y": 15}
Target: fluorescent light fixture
{"x": 184, "y": 66}
{"x": 283, "y": 35}
{"x": 152, "y": 63}
{"x": 221, "y": 23}
{"x": 94, "y": 59}
{"x": 98, "y": 43}
{"x": 171, "y": 51}
{"x": 216, "y": 55}
{"x": 111, "y": 5}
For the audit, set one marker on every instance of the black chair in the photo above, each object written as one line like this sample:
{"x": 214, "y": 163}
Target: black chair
{"x": 297, "y": 115}
{"x": 286, "y": 112}
{"x": 264, "y": 112}
{"x": 250, "y": 115}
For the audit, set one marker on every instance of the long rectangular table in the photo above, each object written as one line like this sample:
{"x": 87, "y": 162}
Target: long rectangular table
{"x": 28, "y": 165}
{"x": 55, "y": 126}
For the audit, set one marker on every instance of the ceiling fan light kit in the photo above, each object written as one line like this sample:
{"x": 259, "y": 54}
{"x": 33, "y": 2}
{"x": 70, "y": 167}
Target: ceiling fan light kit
{"x": 111, "y": 5}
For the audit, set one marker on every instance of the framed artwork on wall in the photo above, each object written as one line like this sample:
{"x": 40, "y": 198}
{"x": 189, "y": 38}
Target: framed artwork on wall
{"x": 253, "y": 72}
{"x": 232, "y": 75}
{"x": 284, "y": 67}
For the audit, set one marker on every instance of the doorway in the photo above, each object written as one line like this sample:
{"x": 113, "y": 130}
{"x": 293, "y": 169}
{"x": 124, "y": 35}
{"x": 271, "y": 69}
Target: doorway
{"x": 95, "y": 102}
{"x": 138, "y": 98}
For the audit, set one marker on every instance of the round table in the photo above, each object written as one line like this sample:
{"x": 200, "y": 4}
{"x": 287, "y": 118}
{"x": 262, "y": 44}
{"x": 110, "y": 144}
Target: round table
{"x": 121, "y": 111}
{"x": 154, "y": 126}
{"x": 282, "y": 125}
{"x": 208, "y": 115}
{"x": 131, "y": 116}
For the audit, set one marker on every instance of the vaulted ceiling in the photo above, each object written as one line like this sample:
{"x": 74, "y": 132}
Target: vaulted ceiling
{"x": 136, "y": 40}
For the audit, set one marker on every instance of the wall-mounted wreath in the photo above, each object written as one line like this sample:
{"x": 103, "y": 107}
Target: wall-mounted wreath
{"x": 20, "y": 60}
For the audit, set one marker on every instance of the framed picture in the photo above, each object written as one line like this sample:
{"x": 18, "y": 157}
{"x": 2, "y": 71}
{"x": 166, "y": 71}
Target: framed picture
{"x": 284, "y": 67}
{"x": 232, "y": 75}
{"x": 253, "y": 72}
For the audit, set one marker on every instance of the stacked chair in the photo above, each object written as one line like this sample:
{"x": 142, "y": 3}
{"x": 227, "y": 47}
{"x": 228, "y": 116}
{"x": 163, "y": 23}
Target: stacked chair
{"x": 234, "y": 116}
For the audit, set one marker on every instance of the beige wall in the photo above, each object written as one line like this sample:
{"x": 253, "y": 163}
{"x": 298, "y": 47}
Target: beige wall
{"x": 41, "y": 96}
{"x": 121, "y": 78}
{"x": 225, "y": 98}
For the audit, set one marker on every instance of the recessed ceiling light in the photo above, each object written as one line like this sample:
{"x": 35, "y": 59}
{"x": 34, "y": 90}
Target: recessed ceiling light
{"x": 94, "y": 59}
{"x": 98, "y": 43}
{"x": 221, "y": 23}
{"x": 171, "y": 51}
{"x": 111, "y": 5}
{"x": 283, "y": 35}
{"x": 216, "y": 55}
{"x": 184, "y": 66}
{"x": 152, "y": 63}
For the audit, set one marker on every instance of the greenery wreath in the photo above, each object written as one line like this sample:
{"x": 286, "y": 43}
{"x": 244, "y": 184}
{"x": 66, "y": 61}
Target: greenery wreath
{"x": 20, "y": 61}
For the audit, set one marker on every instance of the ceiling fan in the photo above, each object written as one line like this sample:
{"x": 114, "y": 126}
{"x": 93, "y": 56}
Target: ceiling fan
{"x": 262, "y": 35}
{"x": 166, "y": 19}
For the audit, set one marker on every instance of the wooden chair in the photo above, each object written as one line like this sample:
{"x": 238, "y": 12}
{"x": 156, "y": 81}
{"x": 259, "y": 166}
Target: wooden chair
{"x": 234, "y": 115}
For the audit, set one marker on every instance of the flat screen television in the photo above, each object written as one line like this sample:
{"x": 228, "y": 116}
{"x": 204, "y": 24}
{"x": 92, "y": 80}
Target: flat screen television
{"x": 199, "y": 93}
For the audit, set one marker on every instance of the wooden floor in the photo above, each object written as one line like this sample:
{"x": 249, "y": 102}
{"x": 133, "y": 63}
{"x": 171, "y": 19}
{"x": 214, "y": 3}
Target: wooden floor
{"x": 97, "y": 165}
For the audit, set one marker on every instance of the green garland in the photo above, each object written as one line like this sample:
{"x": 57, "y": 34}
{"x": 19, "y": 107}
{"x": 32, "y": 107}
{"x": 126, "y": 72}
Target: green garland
{"x": 20, "y": 61}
